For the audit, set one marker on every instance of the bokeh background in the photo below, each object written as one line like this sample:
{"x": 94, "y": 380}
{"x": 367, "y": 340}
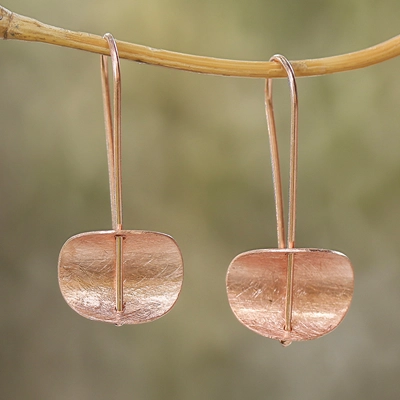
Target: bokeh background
{"x": 196, "y": 166}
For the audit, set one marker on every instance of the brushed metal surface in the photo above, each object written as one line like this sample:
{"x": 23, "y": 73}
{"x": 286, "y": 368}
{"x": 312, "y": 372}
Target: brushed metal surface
{"x": 152, "y": 275}
{"x": 323, "y": 283}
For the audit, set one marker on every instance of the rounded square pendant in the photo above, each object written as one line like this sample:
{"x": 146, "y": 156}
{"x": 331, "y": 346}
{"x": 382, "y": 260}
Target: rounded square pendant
{"x": 152, "y": 275}
{"x": 323, "y": 283}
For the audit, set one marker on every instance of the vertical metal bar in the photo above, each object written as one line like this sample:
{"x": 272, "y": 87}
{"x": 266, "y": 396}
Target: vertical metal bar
{"x": 292, "y": 179}
{"x": 113, "y": 131}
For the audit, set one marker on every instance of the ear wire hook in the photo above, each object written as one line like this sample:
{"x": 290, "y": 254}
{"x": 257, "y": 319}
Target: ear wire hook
{"x": 113, "y": 134}
{"x": 113, "y": 130}
{"x": 277, "y": 177}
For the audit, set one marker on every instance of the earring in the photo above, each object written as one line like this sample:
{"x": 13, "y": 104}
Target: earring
{"x": 289, "y": 294}
{"x": 119, "y": 276}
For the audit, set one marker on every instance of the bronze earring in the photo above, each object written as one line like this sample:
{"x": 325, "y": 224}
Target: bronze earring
{"x": 289, "y": 294}
{"x": 119, "y": 276}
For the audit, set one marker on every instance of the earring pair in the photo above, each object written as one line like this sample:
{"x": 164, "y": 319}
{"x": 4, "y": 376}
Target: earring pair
{"x": 130, "y": 277}
{"x": 119, "y": 276}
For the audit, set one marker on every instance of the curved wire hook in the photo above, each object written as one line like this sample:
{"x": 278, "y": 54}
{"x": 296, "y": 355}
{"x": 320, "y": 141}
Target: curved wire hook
{"x": 113, "y": 129}
{"x": 280, "y": 222}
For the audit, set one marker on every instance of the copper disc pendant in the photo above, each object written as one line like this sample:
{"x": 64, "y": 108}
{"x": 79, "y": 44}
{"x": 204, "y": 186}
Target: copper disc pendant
{"x": 289, "y": 294}
{"x": 119, "y": 276}
{"x": 323, "y": 284}
{"x": 152, "y": 275}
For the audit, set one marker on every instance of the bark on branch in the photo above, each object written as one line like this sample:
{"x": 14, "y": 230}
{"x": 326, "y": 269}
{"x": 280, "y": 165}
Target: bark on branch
{"x": 14, "y": 26}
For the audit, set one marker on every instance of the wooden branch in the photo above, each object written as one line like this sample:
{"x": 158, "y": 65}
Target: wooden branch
{"x": 14, "y": 26}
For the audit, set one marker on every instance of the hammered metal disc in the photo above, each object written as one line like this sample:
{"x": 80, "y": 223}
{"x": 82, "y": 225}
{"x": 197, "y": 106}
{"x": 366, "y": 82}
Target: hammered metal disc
{"x": 152, "y": 270}
{"x": 323, "y": 283}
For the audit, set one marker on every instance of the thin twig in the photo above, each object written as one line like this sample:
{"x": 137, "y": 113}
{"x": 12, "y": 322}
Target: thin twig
{"x": 14, "y": 26}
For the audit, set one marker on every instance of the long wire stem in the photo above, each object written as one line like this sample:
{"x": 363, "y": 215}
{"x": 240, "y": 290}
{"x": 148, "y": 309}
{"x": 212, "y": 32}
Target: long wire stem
{"x": 292, "y": 180}
{"x": 113, "y": 134}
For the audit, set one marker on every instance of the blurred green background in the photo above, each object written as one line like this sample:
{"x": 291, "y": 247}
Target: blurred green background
{"x": 196, "y": 166}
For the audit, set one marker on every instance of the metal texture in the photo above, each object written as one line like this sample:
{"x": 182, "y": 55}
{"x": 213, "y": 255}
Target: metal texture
{"x": 152, "y": 275}
{"x": 323, "y": 283}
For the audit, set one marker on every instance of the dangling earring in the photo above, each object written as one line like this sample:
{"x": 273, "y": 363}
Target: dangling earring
{"x": 119, "y": 276}
{"x": 289, "y": 294}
